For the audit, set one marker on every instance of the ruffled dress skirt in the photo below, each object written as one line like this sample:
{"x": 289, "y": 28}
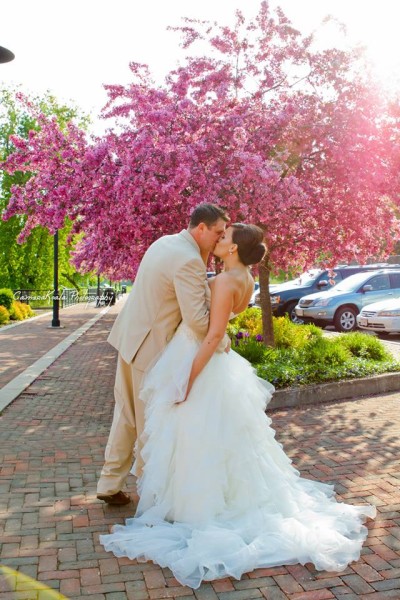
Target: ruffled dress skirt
{"x": 218, "y": 495}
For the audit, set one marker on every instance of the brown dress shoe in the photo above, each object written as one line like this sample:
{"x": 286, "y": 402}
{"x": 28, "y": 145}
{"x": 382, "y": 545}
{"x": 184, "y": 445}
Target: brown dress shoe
{"x": 118, "y": 499}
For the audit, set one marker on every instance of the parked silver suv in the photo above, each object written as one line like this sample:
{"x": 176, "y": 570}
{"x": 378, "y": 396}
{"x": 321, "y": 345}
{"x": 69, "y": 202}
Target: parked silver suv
{"x": 341, "y": 304}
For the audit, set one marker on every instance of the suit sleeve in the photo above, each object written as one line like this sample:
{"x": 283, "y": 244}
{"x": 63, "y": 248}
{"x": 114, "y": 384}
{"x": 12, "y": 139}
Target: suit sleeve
{"x": 189, "y": 283}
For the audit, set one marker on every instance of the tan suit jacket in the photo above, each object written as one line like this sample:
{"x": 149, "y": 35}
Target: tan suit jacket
{"x": 170, "y": 287}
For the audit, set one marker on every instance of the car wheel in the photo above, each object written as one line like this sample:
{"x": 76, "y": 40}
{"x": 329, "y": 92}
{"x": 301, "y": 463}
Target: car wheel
{"x": 345, "y": 319}
{"x": 292, "y": 313}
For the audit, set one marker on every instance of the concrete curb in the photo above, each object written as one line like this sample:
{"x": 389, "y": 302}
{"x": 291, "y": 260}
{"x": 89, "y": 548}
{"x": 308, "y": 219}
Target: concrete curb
{"x": 350, "y": 389}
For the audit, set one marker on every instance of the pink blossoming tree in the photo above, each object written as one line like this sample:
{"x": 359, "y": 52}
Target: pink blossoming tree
{"x": 281, "y": 134}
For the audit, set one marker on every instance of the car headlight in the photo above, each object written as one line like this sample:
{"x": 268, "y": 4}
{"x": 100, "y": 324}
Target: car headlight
{"x": 388, "y": 313}
{"x": 322, "y": 302}
{"x": 275, "y": 300}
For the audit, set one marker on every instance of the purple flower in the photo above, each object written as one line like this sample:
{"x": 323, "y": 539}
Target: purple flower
{"x": 239, "y": 335}
{"x": 246, "y": 334}
{"x": 259, "y": 338}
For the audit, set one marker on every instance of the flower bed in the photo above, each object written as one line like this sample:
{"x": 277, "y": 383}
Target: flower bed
{"x": 304, "y": 355}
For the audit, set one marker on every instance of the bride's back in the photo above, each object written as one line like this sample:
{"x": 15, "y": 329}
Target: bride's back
{"x": 243, "y": 283}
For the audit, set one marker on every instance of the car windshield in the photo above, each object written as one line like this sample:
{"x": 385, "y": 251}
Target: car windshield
{"x": 307, "y": 278}
{"x": 352, "y": 283}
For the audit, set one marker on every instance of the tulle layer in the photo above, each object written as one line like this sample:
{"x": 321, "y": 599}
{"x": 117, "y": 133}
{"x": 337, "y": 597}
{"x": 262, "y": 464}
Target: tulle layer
{"x": 218, "y": 495}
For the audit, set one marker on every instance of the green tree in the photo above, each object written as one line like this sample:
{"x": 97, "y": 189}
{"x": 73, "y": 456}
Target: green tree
{"x": 30, "y": 265}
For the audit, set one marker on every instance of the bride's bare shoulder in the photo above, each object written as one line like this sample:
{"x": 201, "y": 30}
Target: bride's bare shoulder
{"x": 225, "y": 280}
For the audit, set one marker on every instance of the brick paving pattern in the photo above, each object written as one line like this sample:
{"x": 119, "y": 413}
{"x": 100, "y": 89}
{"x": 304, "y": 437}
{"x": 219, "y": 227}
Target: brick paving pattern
{"x": 22, "y": 345}
{"x": 52, "y": 440}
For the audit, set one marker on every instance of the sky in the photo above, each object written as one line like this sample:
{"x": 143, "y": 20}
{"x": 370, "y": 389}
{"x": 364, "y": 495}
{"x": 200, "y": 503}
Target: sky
{"x": 73, "y": 47}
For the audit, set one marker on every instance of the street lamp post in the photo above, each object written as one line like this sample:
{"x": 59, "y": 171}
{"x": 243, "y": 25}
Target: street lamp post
{"x": 6, "y": 55}
{"x": 98, "y": 303}
{"x": 56, "y": 297}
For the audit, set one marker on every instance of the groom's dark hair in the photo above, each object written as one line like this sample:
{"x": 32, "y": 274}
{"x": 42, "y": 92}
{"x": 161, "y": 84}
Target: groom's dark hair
{"x": 208, "y": 214}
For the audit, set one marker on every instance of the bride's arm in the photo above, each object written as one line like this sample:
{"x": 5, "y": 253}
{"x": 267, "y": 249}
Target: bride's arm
{"x": 222, "y": 295}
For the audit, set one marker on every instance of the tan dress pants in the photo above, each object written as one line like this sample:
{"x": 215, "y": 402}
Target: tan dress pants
{"x": 126, "y": 428}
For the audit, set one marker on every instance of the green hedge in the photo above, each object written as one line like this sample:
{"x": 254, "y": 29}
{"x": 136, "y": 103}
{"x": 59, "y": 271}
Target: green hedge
{"x": 6, "y": 298}
{"x": 304, "y": 355}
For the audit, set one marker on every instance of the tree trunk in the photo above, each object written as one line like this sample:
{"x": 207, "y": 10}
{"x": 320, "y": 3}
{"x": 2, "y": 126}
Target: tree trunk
{"x": 265, "y": 302}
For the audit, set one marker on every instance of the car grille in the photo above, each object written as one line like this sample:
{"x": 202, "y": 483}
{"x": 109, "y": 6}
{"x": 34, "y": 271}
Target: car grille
{"x": 376, "y": 325}
{"x": 305, "y": 302}
{"x": 367, "y": 313}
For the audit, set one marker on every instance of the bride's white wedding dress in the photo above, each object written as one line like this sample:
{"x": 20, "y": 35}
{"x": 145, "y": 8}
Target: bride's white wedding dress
{"x": 218, "y": 495}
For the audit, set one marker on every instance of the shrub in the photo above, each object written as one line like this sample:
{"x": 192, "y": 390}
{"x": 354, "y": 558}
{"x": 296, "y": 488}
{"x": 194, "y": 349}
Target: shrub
{"x": 24, "y": 308}
{"x": 322, "y": 351}
{"x": 280, "y": 368}
{"x": 20, "y": 310}
{"x": 292, "y": 335}
{"x": 16, "y": 313}
{"x": 365, "y": 346}
{"x": 6, "y": 298}
{"x": 304, "y": 355}
{"x": 286, "y": 333}
{"x": 285, "y": 368}
{"x": 254, "y": 351}
{"x": 249, "y": 320}
{"x": 4, "y": 315}
{"x": 30, "y": 311}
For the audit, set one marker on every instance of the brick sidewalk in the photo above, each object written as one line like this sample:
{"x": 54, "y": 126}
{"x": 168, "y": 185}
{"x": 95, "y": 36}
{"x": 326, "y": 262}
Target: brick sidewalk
{"x": 22, "y": 345}
{"x": 52, "y": 440}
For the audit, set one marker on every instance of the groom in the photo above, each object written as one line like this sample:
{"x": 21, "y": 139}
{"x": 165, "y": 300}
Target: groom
{"x": 170, "y": 287}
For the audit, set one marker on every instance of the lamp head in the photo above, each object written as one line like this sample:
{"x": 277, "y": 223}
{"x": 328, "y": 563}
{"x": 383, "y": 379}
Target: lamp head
{"x": 6, "y": 55}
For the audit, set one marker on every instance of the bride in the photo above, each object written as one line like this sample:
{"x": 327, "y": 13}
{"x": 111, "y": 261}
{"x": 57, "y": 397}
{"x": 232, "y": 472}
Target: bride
{"x": 218, "y": 495}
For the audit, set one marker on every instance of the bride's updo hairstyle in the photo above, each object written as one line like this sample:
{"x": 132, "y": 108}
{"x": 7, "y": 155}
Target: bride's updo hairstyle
{"x": 249, "y": 241}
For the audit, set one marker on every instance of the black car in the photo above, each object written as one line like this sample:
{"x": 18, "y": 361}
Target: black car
{"x": 285, "y": 296}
